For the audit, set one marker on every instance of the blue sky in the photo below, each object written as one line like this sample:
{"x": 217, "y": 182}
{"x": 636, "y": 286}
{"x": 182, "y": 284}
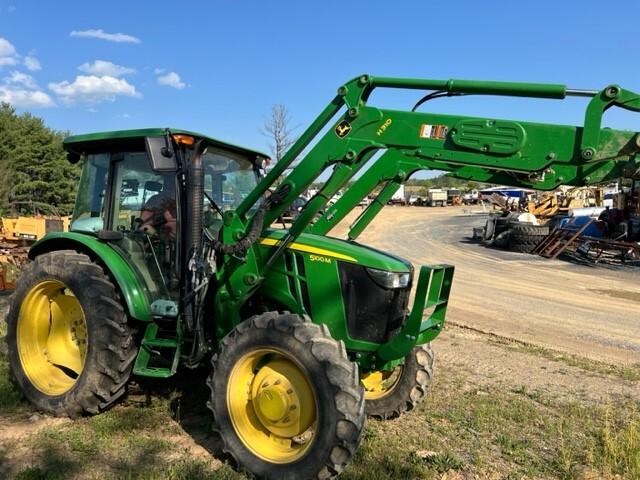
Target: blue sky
{"x": 218, "y": 66}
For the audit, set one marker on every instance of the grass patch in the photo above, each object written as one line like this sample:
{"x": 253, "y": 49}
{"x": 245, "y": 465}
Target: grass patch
{"x": 618, "y": 448}
{"x": 498, "y": 433}
{"x": 35, "y": 473}
{"x": 10, "y": 396}
{"x": 124, "y": 442}
{"x": 502, "y": 434}
{"x": 625, "y": 372}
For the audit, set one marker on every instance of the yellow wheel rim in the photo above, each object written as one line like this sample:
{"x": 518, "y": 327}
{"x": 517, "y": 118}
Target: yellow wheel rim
{"x": 51, "y": 336}
{"x": 272, "y": 405}
{"x": 379, "y": 384}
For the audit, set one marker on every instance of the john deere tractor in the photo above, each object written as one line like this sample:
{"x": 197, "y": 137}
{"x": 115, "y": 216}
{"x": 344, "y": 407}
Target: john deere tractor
{"x": 174, "y": 260}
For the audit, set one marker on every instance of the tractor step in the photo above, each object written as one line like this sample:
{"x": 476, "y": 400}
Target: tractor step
{"x": 158, "y": 357}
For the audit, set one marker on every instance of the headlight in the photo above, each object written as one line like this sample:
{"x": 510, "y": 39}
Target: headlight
{"x": 389, "y": 279}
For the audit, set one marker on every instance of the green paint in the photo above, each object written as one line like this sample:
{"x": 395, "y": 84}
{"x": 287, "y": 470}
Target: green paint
{"x": 432, "y": 292}
{"x": 150, "y": 343}
{"x": 131, "y": 287}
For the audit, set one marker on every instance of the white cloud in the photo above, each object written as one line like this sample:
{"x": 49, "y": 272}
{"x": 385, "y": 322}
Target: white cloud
{"x": 93, "y": 89}
{"x": 19, "y": 78}
{"x": 8, "y": 54}
{"x": 32, "y": 63}
{"x": 171, "y": 79}
{"x": 6, "y": 48}
{"x": 21, "y": 90}
{"x": 102, "y": 68}
{"x": 20, "y": 97}
{"x": 158, "y": 71}
{"x": 102, "y": 35}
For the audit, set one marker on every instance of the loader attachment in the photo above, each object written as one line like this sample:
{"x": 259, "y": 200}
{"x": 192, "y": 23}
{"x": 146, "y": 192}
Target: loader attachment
{"x": 427, "y": 316}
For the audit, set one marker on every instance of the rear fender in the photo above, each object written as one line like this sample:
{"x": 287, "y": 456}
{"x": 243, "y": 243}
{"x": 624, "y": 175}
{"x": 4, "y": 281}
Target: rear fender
{"x": 131, "y": 290}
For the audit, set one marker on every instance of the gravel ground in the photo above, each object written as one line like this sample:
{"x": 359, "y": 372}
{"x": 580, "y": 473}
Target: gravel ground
{"x": 589, "y": 311}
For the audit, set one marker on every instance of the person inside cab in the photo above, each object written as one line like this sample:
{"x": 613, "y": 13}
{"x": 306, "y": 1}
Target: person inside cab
{"x": 159, "y": 213}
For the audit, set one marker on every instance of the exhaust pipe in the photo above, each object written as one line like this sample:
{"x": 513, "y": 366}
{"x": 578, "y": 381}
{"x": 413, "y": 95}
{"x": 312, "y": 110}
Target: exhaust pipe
{"x": 196, "y": 183}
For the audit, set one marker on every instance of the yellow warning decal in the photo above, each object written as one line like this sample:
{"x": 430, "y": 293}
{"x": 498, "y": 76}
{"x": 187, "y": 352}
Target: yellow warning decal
{"x": 270, "y": 242}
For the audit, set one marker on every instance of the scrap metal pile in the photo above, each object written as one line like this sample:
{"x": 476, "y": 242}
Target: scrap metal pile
{"x": 587, "y": 224}
{"x": 18, "y": 233}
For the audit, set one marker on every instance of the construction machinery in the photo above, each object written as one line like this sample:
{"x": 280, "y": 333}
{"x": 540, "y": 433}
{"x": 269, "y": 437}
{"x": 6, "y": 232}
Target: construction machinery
{"x": 19, "y": 232}
{"x": 172, "y": 262}
{"x": 563, "y": 201}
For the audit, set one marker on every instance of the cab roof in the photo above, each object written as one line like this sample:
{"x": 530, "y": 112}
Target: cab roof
{"x": 94, "y": 141}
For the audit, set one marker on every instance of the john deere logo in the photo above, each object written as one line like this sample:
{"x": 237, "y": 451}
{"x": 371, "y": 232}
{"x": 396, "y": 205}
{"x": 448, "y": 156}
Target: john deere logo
{"x": 343, "y": 129}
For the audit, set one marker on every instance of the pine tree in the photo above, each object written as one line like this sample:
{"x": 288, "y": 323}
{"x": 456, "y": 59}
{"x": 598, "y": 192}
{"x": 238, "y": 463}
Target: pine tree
{"x": 33, "y": 164}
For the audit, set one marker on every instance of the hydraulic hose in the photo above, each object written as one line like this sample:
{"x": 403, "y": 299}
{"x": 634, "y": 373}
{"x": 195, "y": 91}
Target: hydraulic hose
{"x": 247, "y": 240}
{"x": 257, "y": 224}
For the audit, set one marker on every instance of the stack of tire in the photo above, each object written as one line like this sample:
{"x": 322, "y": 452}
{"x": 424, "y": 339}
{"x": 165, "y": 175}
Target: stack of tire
{"x": 524, "y": 237}
{"x": 496, "y": 230}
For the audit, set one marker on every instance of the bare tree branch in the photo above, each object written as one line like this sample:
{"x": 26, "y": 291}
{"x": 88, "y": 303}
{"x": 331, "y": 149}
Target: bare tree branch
{"x": 277, "y": 129}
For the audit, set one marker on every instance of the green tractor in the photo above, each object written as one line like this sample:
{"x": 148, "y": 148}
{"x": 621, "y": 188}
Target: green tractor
{"x": 173, "y": 261}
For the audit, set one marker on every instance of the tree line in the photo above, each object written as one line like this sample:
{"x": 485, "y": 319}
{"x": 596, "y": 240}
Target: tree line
{"x": 33, "y": 164}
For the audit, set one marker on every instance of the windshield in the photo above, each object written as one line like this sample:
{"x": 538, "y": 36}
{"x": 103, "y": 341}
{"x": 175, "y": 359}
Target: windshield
{"x": 228, "y": 178}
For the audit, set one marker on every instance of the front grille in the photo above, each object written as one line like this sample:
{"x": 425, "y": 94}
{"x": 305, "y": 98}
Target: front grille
{"x": 297, "y": 277}
{"x": 373, "y": 313}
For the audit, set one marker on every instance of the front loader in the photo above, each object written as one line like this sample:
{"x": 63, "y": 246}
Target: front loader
{"x": 173, "y": 262}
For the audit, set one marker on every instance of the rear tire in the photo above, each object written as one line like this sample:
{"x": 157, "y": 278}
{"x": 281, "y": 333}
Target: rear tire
{"x": 524, "y": 243}
{"x": 67, "y": 367}
{"x": 520, "y": 228}
{"x": 303, "y": 421}
{"x": 408, "y": 390}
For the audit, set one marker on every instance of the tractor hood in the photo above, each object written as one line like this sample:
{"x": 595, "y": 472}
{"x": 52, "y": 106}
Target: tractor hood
{"x": 346, "y": 251}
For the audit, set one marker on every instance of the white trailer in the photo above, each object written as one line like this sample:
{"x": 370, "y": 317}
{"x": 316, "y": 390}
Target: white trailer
{"x": 398, "y": 198}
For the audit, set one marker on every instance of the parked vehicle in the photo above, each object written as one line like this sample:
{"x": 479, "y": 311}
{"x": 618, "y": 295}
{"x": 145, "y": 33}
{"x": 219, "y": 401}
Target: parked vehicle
{"x": 415, "y": 201}
{"x": 437, "y": 197}
{"x": 398, "y": 197}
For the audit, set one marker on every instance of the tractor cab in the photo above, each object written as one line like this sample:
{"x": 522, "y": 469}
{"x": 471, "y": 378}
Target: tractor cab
{"x": 135, "y": 193}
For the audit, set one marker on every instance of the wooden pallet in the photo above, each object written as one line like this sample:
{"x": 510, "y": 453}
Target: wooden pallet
{"x": 560, "y": 238}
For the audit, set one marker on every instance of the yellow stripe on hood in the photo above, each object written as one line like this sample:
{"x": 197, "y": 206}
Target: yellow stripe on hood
{"x": 270, "y": 242}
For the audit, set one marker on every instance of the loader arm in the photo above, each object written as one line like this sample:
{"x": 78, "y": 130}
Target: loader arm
{"x": 349, "y": 133}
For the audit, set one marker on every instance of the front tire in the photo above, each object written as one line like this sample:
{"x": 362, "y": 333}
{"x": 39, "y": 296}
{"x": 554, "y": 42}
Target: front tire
{"x": 286, "y": 399}
{"x": 390, "y": 394}
{"x": 70, "y": 349}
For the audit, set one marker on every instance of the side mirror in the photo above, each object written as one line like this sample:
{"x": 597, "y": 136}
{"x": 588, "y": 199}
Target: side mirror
{"x": 162, "y": 159}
